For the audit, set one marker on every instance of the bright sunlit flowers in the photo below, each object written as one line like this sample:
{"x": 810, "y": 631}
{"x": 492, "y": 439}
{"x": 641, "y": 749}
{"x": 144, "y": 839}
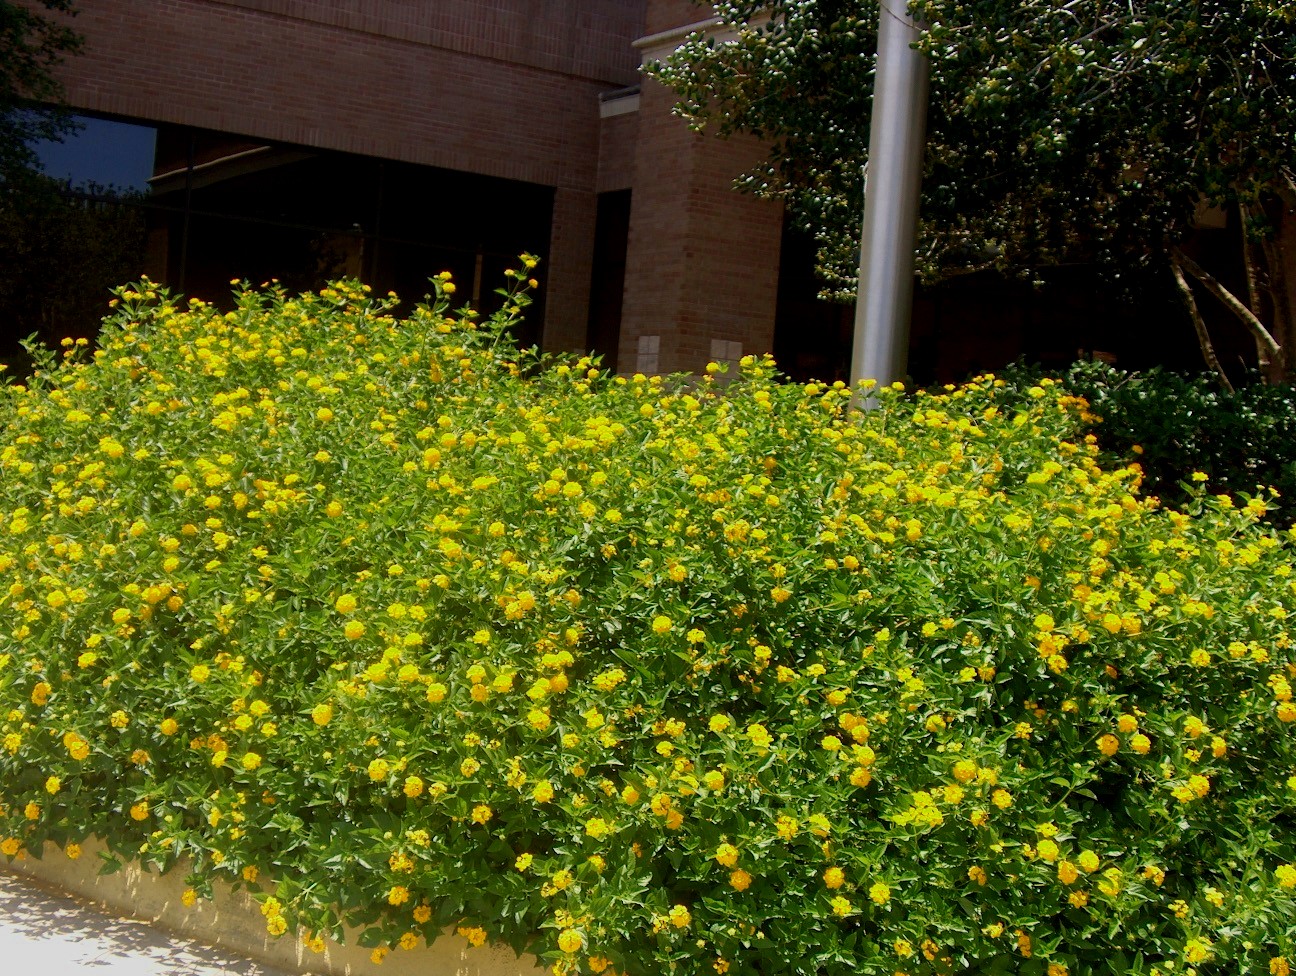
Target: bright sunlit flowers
{"x": 402, "y": 626}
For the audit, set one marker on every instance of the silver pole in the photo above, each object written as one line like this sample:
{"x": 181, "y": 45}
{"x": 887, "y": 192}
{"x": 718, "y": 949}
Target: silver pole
{"x": 891, "y": 188}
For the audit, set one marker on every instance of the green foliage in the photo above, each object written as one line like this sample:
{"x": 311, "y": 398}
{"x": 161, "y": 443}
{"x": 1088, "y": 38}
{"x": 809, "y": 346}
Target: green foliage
{"x": 1176, "y": 426}
{"x": 63, "y": 253}
{"x": 32, "y": 43}
{"x": 397, "y": 625}
{"x": 1057, "y": 131}
{"x": 1240, "y": 440}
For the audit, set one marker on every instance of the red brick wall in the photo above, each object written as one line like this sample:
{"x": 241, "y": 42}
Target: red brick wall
{"x": 586, "y": 39}
{"x": 658, "y": 223}
{"x": 505, "y": 88}
{"x": 616, "y": 164}
{"x": 235, "y": 68}
{"x": 702, "y": 262}
{"x": 571, "y": 258}
{"x": 665, "y": 14}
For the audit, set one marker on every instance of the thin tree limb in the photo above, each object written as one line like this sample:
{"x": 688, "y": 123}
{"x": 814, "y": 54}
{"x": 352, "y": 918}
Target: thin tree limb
{"x": 1250, "y": 247}
{"x": 1287, "y": 189}
{"x": 1203, "y": 337}
{"x": 1232, "y": 303}
{"x": 1279, "y": 293}
{"x": 1248, "y": 259}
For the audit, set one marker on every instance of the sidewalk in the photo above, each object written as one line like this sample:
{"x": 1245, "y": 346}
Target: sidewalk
{"x": 47, "y": 934}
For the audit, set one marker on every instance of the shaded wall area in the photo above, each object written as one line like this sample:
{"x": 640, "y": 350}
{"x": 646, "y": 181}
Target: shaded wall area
{"x": 261, "y": 211}
{"x": 972, "y": 323}
{"x": 607, "y": 281}
{"x": 213, "y": 207}
{"x": 507, "y": 89}
{"x": 60, "y": 253}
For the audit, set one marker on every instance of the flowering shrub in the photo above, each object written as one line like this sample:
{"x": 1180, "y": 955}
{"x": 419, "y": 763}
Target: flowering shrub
{"x": 1175, "y": 425}
{"x": 638, "y": 674}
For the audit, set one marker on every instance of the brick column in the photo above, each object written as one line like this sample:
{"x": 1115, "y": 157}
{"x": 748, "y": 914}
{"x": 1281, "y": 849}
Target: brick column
{"x": 702, "y": 262}
{"x": 571, "y": 255}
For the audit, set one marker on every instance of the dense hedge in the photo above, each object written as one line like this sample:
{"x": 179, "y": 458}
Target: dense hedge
{"x": 1175, "y": 426}
{"x": 639, "y": 674}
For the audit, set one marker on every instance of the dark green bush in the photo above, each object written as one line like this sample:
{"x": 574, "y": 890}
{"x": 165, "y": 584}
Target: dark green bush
{"x": 1175, "y": 425}
{"x": 403, "y": 629}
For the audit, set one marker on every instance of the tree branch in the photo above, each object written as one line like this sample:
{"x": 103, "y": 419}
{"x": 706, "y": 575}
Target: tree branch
{"x": 1250, "y": 247}
{"x": 1279, "y": 294}
{"x": 1203, "y": 337}
{"x": 1287, "y": 188}
{"x": 1232, "y": 303}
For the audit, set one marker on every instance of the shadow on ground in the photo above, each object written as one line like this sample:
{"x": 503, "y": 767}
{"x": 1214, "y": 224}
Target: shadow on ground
{"x": 45, "y": 933}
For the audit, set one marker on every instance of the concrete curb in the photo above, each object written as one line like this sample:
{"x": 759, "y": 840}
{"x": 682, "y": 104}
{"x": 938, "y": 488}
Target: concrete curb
{"x": 232, "y": 920}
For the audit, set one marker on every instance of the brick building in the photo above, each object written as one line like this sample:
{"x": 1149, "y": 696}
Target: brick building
{"x": 394, "y": 139}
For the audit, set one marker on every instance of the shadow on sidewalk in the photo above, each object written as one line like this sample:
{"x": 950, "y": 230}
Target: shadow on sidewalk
{"x": 47, "y": 933}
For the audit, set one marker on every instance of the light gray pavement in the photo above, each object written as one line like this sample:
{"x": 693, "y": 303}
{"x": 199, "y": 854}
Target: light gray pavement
{"x": 43, "y": 933}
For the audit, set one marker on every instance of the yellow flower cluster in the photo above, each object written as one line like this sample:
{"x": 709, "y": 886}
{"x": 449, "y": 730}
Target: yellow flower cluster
{"x": 618, "y": 667}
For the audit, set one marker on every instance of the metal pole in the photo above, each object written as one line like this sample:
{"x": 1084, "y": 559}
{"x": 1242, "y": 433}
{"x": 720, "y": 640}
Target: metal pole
{"x": 891, "y": 189}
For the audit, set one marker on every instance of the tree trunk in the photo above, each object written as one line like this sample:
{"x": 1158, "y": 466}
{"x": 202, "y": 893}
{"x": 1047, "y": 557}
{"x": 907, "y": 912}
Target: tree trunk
{"x": 1273, "y": 348}
{"x": 1255, "y": 262}
{"x": 1280, "y": 262}
{"x": 1280, "y": 257}
{"x": 1199, "y": 324}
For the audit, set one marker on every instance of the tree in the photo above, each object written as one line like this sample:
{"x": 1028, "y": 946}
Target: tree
{"x": 63, "y": 251}
{"x": 32, "y": 43}
{"x": 1058, "y": 130}
{"x": 60, "y": 250}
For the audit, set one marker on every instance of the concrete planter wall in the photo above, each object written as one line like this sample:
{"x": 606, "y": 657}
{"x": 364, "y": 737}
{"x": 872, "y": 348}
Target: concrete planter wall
{"x": 233, "y": 921}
